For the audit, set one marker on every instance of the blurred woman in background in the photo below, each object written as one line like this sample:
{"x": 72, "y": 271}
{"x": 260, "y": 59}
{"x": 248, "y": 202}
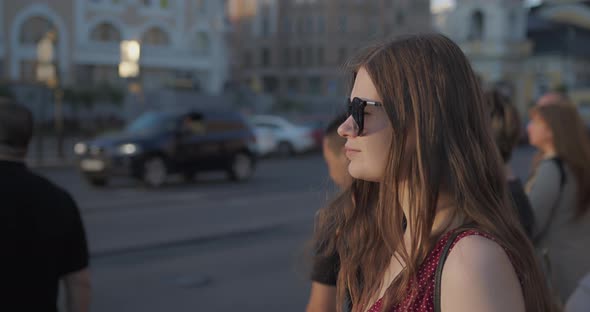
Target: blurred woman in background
{"x": 559, "y": 191}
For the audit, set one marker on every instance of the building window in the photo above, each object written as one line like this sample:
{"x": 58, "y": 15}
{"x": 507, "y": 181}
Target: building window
{"x": 270, "y": 84}
{"x": 342, "y": 24}
{"x": 309, "y": 56}
{"x": 298, "y": 57}
{"x": 247, "y": 59}
{"x": 286, "y": 57}
{"x": 103, "y": 2}
{"x": 513, "y": 23}
{"x": 477, "y": 26}
{"x": 342, "y": 55}
{"x": 201, "y": 6}
{"x": 371, "y": 27}
{"x": 321, "y": 25}
{"x": 293, "y": 85}
{"x": 265, "y": 57}
{"x": 155, "y": 36}
{"x": 387, "y": 29}
{"x": 28, "y": 70}
{"x": 320, "y": 56}
{"x": 265, "y": 26}
{"x": 202, "y": 43}
{"x": 315, "y": 85}
{"x": 300, "y": 26}
{"x": 400, "y": 18}
{"x": 309, "y": 25}
{"x": 105, "y": 32}
{"x": 286, "y": 26}
{"x": 34, "y": 29}
{"x": 156, "y": 4}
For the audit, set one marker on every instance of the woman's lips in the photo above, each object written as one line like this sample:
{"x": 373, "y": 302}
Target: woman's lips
{"x": 350, "y": 151}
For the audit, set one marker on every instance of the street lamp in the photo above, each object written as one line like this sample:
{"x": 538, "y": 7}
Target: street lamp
{"x": 130, "y": 53}
{"x": 47, "y": 74}
{"x": 129, "y": 65}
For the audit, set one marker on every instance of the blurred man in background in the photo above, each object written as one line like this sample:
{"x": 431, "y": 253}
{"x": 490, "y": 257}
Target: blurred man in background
{"x": 333, "y": 148}
{"x": 325, "y": 268}
{"x": 42, "y": 239}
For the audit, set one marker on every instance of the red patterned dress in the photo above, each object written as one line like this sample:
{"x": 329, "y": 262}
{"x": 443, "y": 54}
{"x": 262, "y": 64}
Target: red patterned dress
{"x": 424, "y": 299}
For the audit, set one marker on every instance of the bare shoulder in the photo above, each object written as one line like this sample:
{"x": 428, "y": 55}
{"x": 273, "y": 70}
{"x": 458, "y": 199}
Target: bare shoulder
{"x": 478, "y": 276}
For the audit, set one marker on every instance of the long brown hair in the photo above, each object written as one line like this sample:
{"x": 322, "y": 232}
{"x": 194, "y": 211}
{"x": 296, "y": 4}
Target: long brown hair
{"x": 429, "y": 89}
{"x": 572, "y": 145}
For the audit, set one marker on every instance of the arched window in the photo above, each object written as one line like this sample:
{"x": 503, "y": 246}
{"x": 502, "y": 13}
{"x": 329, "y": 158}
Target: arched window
{"x": 477, "y": 26}
{"x": 105, "y": 32}
{"x": 155, "y": 36}
{"x": 34, "y": 28}
{"x": 202, "y": 43}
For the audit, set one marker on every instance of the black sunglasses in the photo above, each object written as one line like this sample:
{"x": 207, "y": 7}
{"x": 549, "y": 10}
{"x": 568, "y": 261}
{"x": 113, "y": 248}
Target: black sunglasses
{"x": 356, "y": 109}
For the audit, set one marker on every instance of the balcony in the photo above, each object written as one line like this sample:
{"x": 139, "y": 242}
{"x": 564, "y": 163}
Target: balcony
{"x": 151, "y": 56}
{"x": 498, "y": 49}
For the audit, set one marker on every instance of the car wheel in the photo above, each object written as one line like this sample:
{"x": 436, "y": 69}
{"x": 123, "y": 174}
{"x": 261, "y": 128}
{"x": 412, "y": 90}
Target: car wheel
{"x": 285, "y": 149}
{"x": 241, "y": 167}
{"x": 155, "y": 172}
{"x": 99, "y": 182}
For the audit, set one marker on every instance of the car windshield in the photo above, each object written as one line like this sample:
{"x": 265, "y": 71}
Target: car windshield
{"x": 151, "y": 122}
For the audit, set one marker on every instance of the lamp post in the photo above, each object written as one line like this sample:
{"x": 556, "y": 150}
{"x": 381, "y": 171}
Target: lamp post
{"x": 46, "y": 73}
{"x": 129, "y": 65}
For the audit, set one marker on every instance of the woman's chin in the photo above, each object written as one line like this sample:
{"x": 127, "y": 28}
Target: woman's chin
{"x": 360, "y": 174}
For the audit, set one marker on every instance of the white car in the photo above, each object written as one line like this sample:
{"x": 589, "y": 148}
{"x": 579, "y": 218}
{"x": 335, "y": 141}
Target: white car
{"x": 266, "y": 142}
{"x": 291, "y": 138}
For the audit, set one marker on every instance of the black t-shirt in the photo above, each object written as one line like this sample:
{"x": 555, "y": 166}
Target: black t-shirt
{"x": 325, "y": 269}
{"x": 522, "y": 205}
{"x": 41, "y": 239}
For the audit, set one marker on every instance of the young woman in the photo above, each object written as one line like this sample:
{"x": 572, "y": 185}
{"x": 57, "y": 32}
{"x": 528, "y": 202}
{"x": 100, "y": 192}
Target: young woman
{"x": 425, "y": 168}
{"x": 559, "y": 191}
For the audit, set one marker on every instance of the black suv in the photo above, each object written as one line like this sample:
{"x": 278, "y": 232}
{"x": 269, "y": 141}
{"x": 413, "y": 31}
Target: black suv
{"x": 158, "y": 144}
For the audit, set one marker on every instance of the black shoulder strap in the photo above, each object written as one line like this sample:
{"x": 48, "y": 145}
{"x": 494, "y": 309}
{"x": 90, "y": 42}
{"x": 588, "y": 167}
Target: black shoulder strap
{"x": 562, "y": 179}
{"x": 559, "y": 163}
{"x": 439, "y": 267}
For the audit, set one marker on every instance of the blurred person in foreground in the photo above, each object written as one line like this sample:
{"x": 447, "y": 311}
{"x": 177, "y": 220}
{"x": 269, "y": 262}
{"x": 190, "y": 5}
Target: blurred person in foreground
{"x": 506, "y": 130}
{"x": 326, "y": 262}
{"x": 42, "y": 239}
{"x": 559, "y": 192}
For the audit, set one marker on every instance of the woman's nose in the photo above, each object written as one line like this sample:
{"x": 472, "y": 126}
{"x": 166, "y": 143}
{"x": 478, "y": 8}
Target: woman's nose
{"x": 347, "y": 128}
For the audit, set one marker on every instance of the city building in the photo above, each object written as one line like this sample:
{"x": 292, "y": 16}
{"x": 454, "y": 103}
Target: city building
{"x": 291, "y": 48}
{"x": 182, "y": 41}
{"x": 492, "y": 34}
{"x": 560, "y": 33}
{"x": 530, "y": 50}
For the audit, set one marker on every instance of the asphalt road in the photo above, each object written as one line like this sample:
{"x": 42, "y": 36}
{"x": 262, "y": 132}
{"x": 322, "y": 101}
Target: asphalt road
{"x": 211, "y": 245}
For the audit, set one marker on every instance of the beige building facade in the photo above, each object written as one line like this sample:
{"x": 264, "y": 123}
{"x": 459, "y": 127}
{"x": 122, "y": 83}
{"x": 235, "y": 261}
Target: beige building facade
{"x": 533, "y": 50}
{"x": 299, "y": 47}
{"x": 181, "y": 40}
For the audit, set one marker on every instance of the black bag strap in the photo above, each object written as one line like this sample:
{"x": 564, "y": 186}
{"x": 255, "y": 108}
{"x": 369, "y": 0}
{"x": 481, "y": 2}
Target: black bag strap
{"x": 562, "y": 179}
{"x": 440, "y": 265}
